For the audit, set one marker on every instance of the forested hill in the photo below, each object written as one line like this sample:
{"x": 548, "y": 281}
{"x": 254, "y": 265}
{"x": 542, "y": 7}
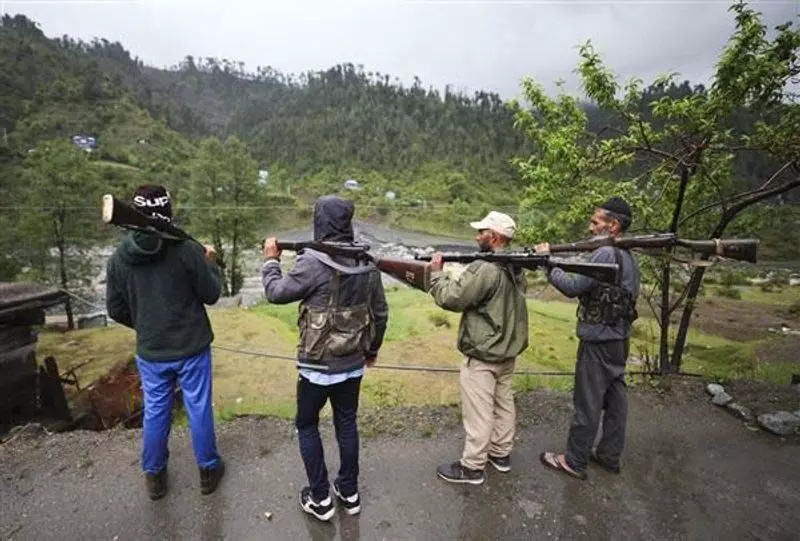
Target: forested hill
{"x": 336, "y": 123}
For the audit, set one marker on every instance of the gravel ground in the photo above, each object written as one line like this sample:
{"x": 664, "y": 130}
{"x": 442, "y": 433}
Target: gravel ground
{"x": 691, "y": 471}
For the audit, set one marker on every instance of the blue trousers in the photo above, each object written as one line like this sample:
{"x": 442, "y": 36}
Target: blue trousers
{"x": 344, "y": 401}
{"x": 193, "y": 374}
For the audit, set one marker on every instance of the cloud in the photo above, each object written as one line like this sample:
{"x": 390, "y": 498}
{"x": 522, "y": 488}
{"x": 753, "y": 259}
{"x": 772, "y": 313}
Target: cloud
{"x": 470, "y": 45}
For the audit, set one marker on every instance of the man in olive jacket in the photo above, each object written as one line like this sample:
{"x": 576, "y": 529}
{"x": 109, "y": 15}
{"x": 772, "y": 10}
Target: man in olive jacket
{"x": 492, "y": 333}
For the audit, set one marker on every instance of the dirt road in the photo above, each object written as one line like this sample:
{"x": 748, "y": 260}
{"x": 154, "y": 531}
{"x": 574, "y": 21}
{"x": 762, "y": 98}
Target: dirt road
{"x": 691, "y": 471}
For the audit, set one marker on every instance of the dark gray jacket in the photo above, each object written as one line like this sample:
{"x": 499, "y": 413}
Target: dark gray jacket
{"x": 309, "y": 279}
{"x": 575, "y": 285}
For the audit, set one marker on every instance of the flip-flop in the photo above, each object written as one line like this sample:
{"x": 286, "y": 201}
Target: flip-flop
{"x": 551, "y": 461}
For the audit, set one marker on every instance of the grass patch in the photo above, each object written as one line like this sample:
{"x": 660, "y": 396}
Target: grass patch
{"x": 785, "y": 297}
{"x": 419, "y": 334}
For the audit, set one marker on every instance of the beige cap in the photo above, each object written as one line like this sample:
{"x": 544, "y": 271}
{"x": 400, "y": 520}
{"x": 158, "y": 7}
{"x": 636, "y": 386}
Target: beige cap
{"x": 498, "y": 222}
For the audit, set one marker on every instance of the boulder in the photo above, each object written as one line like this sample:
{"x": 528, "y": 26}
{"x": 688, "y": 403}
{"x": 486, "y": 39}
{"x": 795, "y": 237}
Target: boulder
{"x": 781, "y": 423}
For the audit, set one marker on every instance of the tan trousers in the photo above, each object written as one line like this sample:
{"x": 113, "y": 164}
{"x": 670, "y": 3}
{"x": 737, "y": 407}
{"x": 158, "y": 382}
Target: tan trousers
{"x": 487, "y": 409}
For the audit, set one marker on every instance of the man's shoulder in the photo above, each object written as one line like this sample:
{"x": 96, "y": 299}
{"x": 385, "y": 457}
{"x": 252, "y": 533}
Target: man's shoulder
{"x": 604, "y": 254}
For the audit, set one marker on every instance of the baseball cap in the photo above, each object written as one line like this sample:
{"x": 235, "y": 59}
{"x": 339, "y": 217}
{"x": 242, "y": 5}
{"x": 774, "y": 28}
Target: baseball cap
{"x": 498, "y": 222}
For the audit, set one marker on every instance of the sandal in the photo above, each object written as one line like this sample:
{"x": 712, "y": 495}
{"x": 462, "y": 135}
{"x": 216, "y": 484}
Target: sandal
{"x": 552, "y": 461}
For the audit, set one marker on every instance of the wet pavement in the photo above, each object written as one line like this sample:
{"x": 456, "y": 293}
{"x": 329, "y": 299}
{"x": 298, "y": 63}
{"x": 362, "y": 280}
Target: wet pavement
{"x": 691, "y": 471}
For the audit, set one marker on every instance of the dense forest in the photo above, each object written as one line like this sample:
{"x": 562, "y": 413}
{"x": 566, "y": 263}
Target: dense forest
{"x": 310, "y": 131}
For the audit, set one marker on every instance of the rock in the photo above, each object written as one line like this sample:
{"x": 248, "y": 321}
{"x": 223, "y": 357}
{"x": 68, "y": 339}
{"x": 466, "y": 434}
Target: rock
{"x": 714, "y": 389}
{"x": 740, "y": 411}
{"x": 781, "y": 423}
{"x": 721, "y": 399}
{"x": 580, "y": 519}
{"x": 267, "y": 515}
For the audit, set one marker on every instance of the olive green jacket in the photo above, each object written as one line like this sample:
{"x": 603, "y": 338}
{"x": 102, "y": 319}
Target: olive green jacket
{"x": 491, "y": 296}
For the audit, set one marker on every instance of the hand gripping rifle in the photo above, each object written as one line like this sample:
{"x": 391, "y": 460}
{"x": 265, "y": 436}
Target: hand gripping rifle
{"x": 528, "y": 259}
{"x": 121, "y": 214}
{"x": 411, "y": 272}
{"x": 738, "y": 249}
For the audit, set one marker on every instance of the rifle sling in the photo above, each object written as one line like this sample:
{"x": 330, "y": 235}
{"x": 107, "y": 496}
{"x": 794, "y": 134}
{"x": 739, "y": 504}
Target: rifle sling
{"x": 327, "y": 260}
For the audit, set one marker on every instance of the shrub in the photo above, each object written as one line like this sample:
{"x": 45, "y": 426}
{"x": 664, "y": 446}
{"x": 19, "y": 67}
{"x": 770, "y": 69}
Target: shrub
{"x": 730, "y": 292}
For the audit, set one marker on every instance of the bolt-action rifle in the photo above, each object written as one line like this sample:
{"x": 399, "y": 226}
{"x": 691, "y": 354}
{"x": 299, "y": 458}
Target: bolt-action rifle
{"x": 528, "y": 259}
{"x": 411, "y": 272}
{"x": 738, "y": 249}
{"x": 122, "y": 214}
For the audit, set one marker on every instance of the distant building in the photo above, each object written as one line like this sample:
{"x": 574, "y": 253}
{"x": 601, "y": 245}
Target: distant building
{"x": 263, "y": 176}
{"x": 390, "y": 195}
{"x": 352, "y": 184}
{"x": 86, "y": 142}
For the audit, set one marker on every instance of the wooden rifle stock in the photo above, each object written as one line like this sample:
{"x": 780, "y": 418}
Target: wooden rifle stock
{"x": 738, "y": 249}
{"x": 413, "y": 273}
{"x": 603, "y": 272}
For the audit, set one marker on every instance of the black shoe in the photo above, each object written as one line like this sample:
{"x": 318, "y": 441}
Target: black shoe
{"x": 156, "y": 484}
{"x": 351, "y": 504}
{"x": 323, "y": 510}
{"x": 500, "y": 463}
{"x": 611, "y": 468}
{"x": 210, "y": 478}
{"x": 456, "y": 473}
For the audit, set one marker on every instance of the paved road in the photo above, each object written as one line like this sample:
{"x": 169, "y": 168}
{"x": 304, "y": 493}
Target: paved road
{"x": 692, "y": 471}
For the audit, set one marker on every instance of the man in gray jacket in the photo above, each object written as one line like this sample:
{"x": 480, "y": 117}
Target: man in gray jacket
{"x": 343, "y": 315}
{"x": 605, "y": 315}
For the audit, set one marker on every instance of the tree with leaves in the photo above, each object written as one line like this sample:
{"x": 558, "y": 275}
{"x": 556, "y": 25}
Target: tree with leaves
{"x": 674, "y": 157}
{"x": 223, "y": 189}
{"x": 60, "y": 186}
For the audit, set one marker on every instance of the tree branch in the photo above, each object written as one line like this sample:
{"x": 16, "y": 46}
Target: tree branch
{"x": 777, "y": 173}
{"x": 765, "y": 194}
{"x": 736, "y": 197}
{"x": 678, "y": 302}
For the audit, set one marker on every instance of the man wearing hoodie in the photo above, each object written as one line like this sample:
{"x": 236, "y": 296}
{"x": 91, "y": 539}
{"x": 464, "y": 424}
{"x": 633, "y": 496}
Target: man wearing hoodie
{"x": 343, "y": 315}
{"x": 158, "y": 286}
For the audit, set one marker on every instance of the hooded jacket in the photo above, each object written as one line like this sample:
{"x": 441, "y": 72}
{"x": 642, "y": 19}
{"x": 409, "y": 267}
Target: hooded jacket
{"x": 158, "y": 287}
{"x": 311, "y": 278}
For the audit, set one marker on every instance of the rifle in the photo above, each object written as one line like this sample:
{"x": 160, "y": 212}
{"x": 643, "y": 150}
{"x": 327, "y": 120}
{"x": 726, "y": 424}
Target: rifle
{"x": 415, "y": 274}
{"x": 738, "y": 249}
{"x": 528, "y": 259}
{"x": 121, "y": 214}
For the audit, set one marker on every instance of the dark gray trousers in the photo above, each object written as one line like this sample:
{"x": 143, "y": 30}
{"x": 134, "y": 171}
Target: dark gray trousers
{"x": 599, "y": 385}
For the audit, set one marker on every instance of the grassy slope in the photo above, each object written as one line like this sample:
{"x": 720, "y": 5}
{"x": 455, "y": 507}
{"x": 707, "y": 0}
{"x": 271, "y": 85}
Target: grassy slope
{"x": 419, "y": 333}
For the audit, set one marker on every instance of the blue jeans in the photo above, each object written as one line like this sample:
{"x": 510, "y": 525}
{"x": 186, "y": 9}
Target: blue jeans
{"x": 193, "y": 374}
{"x": 344, "y": 402}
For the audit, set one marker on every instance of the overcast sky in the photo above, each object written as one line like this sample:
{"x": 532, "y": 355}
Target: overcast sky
{"x": 469, "y": 44}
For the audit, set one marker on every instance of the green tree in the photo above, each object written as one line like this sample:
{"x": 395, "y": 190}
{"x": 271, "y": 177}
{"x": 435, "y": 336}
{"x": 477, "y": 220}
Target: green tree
{"x": 672, "y": 156}
{"x": 60, "y": 188}
{"x": 223, "y": 195}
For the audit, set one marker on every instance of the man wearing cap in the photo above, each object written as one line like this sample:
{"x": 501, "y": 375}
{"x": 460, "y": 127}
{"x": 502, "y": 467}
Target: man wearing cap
{"x": 158, "y": 287}
{"x": 492, "y": 333}
{"x": 605, "y": 315}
